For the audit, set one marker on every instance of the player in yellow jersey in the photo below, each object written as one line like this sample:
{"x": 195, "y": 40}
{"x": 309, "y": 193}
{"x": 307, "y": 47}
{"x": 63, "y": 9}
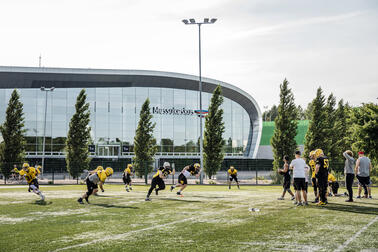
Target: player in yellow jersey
{"x": 189, "y": 170}
{"x": 93, "y": 180}
{"x": 233, "y": 175}
{"x": 158, "y": 179}
{"x": 314, "y": 180}
{"x": 333, "y": 185}
{"x": 30, "y": 175}
{"x": 127, "y": 177}
{"x": 321, "y": 173}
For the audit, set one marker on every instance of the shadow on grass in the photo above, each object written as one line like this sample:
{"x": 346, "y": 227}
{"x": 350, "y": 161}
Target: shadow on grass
{"x": 207, "y": 197}
{"x": 42, "y": 203}
{"x": 113, "y": 206}
{"x": 352, "y": 208}
{"x": 181, "y": 200}
{"x": 103, "y": 196}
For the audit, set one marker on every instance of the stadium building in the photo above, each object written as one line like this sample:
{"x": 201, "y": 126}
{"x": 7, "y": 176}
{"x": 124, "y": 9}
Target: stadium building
{"x": 115, "y": 98}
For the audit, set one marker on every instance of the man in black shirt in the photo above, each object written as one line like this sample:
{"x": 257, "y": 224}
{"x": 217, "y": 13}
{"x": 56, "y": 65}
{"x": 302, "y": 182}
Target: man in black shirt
{"x": 158, "y": 179}
{"x": 321, "y": 171}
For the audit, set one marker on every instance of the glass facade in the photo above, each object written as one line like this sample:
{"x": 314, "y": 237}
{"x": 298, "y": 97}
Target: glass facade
{"x": 115, "y": 115}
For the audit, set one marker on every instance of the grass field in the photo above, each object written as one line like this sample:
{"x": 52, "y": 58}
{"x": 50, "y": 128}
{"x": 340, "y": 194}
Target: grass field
{"x": 207, "y": 218}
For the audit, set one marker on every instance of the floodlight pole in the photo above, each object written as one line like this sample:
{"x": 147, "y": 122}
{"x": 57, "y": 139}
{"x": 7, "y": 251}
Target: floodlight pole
{"x": 44, "y": 128}
{"x": 206, "y": 21}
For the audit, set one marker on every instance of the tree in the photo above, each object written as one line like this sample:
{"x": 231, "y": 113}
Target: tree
{"x": 340, "y": 130}
{"x": 144, "y": 142}
{"x": 365, "y": 129}
{"x": 271, "y": 114}
{"x": 330, "y": 145}
{"x": 316, "y": 135}
{"x": 12, "y": 149}
{"x": 301, "y": 113}
{"x": 283, "y": 140}
{"x": 213, "y": 136}
{"x": 78, "y": 137}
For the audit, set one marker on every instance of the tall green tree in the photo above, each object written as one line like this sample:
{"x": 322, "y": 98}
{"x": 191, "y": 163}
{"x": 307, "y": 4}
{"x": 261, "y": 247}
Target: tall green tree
{"x": 316, "y": 136}
{"x": 144, "y": 141}
{"x": 271, "y": 114}
{"x": 365, "y": 130}
{"x": 78, "y": 137}
{"x": 283, "y": 140}
{"x": 12, "y": 149}
{"x": 329, "y": 148}
{"x": 340, "y": 131}
{"x": 213, "y": 136}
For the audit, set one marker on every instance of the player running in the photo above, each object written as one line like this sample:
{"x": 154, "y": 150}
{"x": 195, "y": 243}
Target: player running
{"x": 313, "y": 178}
{"x": 127, "y": 177}
{"x": 93, "y": 180}
{"x": 30, "y": 174}
{"x": 233, "y": 175}
{"x": 158, "y": 179}
{"x": 321, "y": 171}
{"x": 193, "y": 169}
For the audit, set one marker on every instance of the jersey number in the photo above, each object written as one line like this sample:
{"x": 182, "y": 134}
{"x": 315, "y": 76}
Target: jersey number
{"x": 326, "y": 163}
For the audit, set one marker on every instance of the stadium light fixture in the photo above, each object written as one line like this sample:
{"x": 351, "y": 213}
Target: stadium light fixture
{"x": 205, "y": 21}
{"x": 44, "y": 89}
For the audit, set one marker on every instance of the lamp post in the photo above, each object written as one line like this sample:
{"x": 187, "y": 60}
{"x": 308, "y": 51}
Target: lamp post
{"x": 44, "y": 89}
{"x": 265, "y": 107}
{"x": 192, "y": 21}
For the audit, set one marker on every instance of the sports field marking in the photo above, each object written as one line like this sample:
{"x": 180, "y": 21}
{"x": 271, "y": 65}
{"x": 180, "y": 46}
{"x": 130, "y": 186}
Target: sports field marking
{"x": 124, "y": 235}
{"x": 345, "y": 244}
{"x": 286, "y": 246}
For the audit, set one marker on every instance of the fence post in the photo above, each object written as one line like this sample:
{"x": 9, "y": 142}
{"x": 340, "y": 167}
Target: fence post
{"x": 53, "y": 176}
{"x": 257, "y": 182}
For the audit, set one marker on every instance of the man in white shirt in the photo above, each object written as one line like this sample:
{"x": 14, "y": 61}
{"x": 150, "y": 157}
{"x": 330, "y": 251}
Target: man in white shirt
{"x": 298, "y": 166}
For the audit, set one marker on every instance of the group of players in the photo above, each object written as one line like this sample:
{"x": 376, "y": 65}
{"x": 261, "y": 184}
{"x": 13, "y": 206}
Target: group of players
{"x": 321, "y": 177}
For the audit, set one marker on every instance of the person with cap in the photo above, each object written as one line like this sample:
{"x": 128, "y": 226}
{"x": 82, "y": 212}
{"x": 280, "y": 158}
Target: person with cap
{"x": 362, "y": 170}
{"x": 30, "y": 174}
{"x": 189, "y": 170}
{"x": 349, "y": 173}
{"x": 158, "y": 179}
{"x": 93, "y": 180}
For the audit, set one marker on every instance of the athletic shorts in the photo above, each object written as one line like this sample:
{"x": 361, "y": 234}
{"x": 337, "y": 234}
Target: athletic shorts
{"x": 35, "y": 183}
{"x": 126, "y": 179}
{"x": 233, "y": 177}
{"x": 363, "y": 180}
{"x": 182, "y": 179}
{"x": 300, "y": 184}
{"x": 286, "y": 184}
{"x": 90, "y": 187}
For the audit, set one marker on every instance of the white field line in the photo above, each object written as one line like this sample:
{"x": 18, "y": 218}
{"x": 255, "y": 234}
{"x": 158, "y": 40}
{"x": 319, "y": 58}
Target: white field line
{"x": 125, "y": 235}
{"x": 345, "y": 244}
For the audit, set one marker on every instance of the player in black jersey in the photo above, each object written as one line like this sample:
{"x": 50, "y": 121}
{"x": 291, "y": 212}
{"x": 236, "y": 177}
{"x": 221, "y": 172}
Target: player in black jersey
{"x": 158, "y": 179}
{"x": 189, "y": 170}
{"x": 321, "y": 171}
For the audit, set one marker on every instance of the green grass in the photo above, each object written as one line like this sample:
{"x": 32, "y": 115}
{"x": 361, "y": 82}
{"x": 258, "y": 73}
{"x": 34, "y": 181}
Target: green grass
{"x": 207, "y": 218}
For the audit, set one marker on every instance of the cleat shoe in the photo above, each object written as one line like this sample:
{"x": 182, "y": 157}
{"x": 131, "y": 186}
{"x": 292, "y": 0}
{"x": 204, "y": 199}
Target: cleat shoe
{"x": 299, "y": 204}
{"x": 178, "y": 193}
{"x": 127, "y": 190}
{"x": 280, "y": 198}
{"x": 131, "y": 188}
{"x": 42, "y": 197}
{"x": 295, "y": 202}
{"x": 80, "y": 200}
{"x": 147, "y": 199}
{"x": 320, "y": 203}
{"x": 172, "y": 187}
{"x": 156, "y": 191}
{"x": 86, "y": 199}
{"x": 346, "y": 194}
{"x": 370, "y": 197}
{"x": 305, "y": 203}
{"x": 292, "y": 197}
{"x": 315, "y": 201}
{"x": 349, "y": 200}
{"x": 358, "y": 197}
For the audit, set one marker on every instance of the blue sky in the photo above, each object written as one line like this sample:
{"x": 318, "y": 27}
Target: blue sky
{"x": 253, "y": 45}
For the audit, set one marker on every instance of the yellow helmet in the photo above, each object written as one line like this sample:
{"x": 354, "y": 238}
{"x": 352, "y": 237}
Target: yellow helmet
{"x": 312, "y": 153}
{"x": 109, "y": 171}
{"x": 99, "y": 168}
{"x": 231, "y": 167}
{"x": 25, "y": 165}
{"x": 129, "y": 166}
{"x": 197, "y": 165}
{"x": 318, "y": 152}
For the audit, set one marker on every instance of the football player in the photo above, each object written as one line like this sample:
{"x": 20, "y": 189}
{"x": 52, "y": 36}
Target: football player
{"x": 127, "y": 177}
{"x": 189, "y": 170}
{"x": 233, "y": 175}
{"x": 313, "y": 177}
{"x": 286, "y": 184}
{"x": 321, "y": 171}
{"x": 30, "y": 175}
{"x": 333, "y": 185}
{"x": 93, "y": 180}
{"x": 158, "y": 179}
